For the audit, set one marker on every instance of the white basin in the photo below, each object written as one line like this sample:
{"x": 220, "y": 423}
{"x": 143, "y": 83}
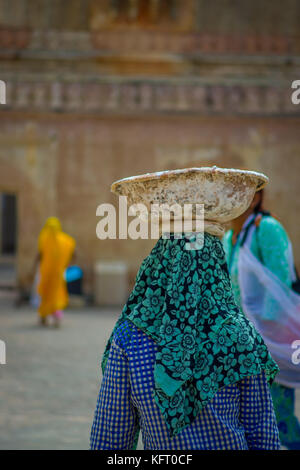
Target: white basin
{"x": 225, "y": 193}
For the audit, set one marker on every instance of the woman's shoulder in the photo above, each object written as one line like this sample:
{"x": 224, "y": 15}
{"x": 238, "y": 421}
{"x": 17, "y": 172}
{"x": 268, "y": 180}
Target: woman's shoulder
{"x": 123, "y": 334}
{"x": 272, "y": 227}
{"x": 132, "y": 340}
{"x": 271, "y": 234}
{"x": 67, "y": 238}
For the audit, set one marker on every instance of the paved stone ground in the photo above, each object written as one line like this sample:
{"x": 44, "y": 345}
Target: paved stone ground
{"x": 49, "y": 386}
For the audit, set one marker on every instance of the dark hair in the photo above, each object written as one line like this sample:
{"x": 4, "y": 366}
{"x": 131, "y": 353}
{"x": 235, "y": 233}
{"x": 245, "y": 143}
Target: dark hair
{"x": 259, "y": 208}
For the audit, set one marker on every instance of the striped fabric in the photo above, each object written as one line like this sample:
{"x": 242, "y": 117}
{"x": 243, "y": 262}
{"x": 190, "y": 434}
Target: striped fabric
{"x": 240, "y": 416}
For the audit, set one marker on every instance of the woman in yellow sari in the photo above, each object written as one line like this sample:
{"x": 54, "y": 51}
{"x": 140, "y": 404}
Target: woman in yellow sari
{"x": 56, "y": 249}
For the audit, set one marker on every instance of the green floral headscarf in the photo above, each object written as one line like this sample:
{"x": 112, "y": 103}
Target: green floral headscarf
{"x": 183, "y": 300}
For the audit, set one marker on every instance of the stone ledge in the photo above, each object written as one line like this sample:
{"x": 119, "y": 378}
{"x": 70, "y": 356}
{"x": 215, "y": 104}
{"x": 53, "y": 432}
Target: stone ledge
{"x": 167, "y": 42}
{"x": 138, "y": 96}
{"x": 214, "y": 43}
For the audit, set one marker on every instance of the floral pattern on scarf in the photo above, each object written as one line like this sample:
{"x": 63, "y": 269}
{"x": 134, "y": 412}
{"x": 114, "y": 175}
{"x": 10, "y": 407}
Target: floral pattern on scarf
{"x": 183, "y": 300}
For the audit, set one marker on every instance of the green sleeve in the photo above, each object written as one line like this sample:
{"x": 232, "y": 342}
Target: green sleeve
{"x": 273, "y": 244}
{"x": 227, "y": 244}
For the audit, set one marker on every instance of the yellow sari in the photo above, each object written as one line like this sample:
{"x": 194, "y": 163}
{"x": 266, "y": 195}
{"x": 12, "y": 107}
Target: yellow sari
{"x": 56, "y": 249}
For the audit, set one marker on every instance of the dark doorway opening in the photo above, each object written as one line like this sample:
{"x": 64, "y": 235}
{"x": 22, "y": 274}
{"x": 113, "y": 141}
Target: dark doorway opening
{"x": 8, "y": 224}
{"x": 8, "y": 241}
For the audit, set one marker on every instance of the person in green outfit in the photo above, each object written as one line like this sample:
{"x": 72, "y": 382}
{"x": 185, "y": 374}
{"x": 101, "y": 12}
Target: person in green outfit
{"x": 270, "y": 254}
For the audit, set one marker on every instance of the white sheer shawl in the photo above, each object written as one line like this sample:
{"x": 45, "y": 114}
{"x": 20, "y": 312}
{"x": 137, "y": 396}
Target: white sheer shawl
{"x": 274, "y": 309}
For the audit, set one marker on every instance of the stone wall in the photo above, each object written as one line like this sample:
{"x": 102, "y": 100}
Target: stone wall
{"x": 64, "y": 165}
{"x": 100, "y": 90}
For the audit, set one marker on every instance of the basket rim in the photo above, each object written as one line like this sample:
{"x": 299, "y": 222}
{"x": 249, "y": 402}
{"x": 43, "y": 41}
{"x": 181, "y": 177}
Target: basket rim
{"x": 262, "y": 179}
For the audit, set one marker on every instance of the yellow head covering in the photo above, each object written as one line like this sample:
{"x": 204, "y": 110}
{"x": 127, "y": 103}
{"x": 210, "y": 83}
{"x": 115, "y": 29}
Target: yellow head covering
{"x": 50, "y": 229}
{"x": 53, "y": 223}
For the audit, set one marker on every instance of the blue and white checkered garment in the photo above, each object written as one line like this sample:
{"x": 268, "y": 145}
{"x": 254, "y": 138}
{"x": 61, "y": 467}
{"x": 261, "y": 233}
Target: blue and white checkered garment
{"x": 240, "y": 416}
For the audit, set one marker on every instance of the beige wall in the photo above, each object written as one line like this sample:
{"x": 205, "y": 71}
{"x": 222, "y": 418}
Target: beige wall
{"x": 65, "y": 166}
{"x": 97, "y": 91}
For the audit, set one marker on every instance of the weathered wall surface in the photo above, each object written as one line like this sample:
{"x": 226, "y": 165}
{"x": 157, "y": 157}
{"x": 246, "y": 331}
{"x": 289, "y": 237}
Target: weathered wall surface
{"x": 68, "y": 164}
{"x": 97, "y": 91}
